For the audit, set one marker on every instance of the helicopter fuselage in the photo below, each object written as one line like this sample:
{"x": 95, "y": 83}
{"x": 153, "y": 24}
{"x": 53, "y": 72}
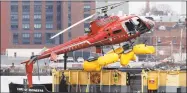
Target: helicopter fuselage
{"x": 101, "y": 34}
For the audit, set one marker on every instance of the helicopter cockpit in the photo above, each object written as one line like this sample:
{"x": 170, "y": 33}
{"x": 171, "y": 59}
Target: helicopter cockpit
{"x": 134, "y": 25}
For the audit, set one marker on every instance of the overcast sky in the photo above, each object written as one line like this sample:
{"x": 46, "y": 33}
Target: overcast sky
{"x": 134, "y": 7}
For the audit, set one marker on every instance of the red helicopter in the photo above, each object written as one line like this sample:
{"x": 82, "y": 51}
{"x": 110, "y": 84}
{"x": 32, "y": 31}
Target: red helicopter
{"x": 105, "y": 30}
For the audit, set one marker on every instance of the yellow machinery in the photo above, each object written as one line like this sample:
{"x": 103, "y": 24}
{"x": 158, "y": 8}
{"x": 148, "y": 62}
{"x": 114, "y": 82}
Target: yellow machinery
{"x": 164, "y": 81}
{"x": 118, "y": 81}
{"x": 112, "y": 56}
{"x": 81, "y": 81}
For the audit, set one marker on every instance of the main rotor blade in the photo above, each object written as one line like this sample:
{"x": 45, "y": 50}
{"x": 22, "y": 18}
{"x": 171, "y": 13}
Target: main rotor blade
{"x": 72, "y": 26}
{"x": 120, "y": 3}
{"x": 112, "y": 6}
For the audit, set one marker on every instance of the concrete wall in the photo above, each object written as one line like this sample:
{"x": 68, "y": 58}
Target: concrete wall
{"x": 22, "y": 52}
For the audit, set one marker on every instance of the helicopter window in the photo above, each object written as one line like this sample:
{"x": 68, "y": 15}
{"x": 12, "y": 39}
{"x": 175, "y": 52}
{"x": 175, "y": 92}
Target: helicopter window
{"x": 138, "y": 25}
{"x": 117, "y": 31}
{"x": 141, "y": 26}
{"x": 87, "y": 30}
{"x": 130, "y": 26}
{"x": 135, "y": 20}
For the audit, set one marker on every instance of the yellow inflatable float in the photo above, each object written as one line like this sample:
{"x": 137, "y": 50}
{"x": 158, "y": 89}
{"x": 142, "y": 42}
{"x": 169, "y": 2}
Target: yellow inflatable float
{"x": 91, "y": 66}
{"x": 137, "y": 49}
{"x": 126, "y": 58}
{"x": 143, "y": 49}
{"x": 112, "y": 56}
{"x": 98, "y": 63}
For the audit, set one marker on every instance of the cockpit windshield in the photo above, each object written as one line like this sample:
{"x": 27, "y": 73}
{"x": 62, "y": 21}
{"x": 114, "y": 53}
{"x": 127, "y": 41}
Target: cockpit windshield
{"x": 134, "y": 25}
{"x": 134, "y": 20}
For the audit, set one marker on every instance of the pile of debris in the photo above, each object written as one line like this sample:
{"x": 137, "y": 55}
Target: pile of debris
{"x": 170, "y": 66}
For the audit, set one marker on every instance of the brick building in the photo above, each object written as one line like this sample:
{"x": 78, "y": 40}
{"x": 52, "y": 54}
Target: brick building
{"x": 30, "y": 24}
{"x": 168, "y": 37}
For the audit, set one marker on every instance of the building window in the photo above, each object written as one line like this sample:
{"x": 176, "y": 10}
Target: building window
{"x": 25, "y": 38}
{"x": 59, "y": 27}
{"x": 14, "y": 26}
{"x": 26, "y": 35}
{"x": 37, "y": 38}
{"x": 69, "y": 18}
{"x": 49, "y": 17}
{"x": 14, "y": 8}
{"x": 49, "y": 26}
{"x": 25, "y": 17}
{"x": 37, "y": 35}
{"x": 59, "y": 15}
{"x": 69, "y": 35}
{"x": 69, "y": 12}
{"x": 49, "y": 8}
{"x": 48, "y": 40}
{"x": 15, "y": 38}
{"x": 87, "y": 2}
{"x": 86, "y": 15}
{"x": 69, "y": 24}
{"x": 26, "y": 8}
{"x": 159, "y": 40}
{"x": 61, "y": 39}
{"x": 37, "y": 17}
{"x": 14, "y": 2}
{"x": 87, "y": 27}
{"x": 37, "y": 2}
{"x": 174, "y": 41}
{"x": 14, "y": 17}
{"x": 49, "y": 2}
{"x": 26, "y": 2}
{"x": 59, "y": 8}
{"x": 32, "y": 54}
{"x": 37, "y": 26}
{"x": 69, "y": 6}
{"x": 87, "y": 7}
{"x": 15, "y": 54}
{"x": 25, "y": 26}
{"x": 37, "y": 8}
{"x": 58, "y": 2}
